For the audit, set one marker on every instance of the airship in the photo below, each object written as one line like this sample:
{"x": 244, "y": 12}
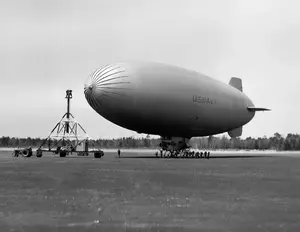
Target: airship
{"x": 172, "y": 102}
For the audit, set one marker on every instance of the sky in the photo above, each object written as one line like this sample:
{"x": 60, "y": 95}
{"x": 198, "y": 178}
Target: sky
{"x": 49, "y": 46}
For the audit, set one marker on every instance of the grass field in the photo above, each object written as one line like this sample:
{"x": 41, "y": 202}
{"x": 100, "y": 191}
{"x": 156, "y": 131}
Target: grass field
{"x": 230, "y": 192}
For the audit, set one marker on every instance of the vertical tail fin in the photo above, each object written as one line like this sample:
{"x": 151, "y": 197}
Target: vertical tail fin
{"x": 236, "y": 132}
{"x": 236, "y": 83}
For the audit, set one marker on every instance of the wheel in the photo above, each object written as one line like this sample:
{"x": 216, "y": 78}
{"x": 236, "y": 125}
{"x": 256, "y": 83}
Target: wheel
{"x": 62, "y": 153}
{"x": 208, "y": 154}
{"x": 98, "y": 154}
{"x": 27, "y": 153}
{"x": 39, "y": 153}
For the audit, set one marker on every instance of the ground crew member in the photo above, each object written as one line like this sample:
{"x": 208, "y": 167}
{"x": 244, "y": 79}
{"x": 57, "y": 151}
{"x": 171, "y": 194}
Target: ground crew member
{"x": 29, "y": 151}
{"x": 119, "y": 153}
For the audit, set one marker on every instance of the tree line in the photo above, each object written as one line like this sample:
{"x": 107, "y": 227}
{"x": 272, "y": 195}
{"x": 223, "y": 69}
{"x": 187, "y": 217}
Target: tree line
{"x": 275, "y": 142}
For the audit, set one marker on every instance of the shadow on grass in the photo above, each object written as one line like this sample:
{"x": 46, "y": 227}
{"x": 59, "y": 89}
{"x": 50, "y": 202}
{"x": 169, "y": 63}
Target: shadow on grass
{"x": 238, "y": 156}
{"x": 211, "y": 157}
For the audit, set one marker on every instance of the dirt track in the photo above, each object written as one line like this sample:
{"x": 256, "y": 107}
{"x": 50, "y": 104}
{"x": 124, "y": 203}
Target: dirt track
{"x": 230, "y": 192}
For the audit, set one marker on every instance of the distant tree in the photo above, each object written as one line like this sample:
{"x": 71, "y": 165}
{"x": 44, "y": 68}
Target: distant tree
{"x": 5, "y": 141}
{"x": 277, "y": 142}
{"x": 28, "y": 141}
{"x": 12, "y": 142}
{"x": 224, "y": 143}
{"x": 288, "y": 143}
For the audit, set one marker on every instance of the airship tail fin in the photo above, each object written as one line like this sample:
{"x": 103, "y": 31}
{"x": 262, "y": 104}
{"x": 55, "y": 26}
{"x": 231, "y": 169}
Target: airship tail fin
{"x": 236, "y": 132}
{"x": 236, "y": 83}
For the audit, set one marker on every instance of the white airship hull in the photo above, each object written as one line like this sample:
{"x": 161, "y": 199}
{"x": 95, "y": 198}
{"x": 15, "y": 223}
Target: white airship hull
{"x": 154, "y": 98}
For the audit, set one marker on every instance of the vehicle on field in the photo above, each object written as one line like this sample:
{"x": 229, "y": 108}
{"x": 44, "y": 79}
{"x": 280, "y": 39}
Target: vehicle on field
{"x": 25, "y": 152}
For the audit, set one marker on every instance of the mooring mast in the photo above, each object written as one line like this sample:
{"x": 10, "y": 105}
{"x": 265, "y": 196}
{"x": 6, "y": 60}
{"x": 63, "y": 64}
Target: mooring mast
{"x": 68, "y": 96}
{"x": 67, "y": 132}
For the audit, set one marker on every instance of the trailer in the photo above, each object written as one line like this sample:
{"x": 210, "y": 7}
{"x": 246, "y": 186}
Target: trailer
{"x": 60, "y": 148}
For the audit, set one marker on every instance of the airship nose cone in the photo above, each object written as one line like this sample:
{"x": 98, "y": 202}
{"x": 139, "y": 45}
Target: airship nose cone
{"x": 89, "y": 87}
{"x": 105, "y": 87}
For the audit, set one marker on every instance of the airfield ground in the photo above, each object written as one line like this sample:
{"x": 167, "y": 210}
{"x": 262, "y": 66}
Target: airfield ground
{"x": 229, "y": 192}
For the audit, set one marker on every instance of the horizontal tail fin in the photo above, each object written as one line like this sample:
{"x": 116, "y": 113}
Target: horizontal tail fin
{"x": 254, "y": 109}
{"x": 236, "y": 132}
{"x": 236, "y": 83}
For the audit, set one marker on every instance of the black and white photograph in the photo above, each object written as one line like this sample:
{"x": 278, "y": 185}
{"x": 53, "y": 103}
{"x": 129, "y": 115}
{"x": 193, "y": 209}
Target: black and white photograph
{"x": 162, "y": 115}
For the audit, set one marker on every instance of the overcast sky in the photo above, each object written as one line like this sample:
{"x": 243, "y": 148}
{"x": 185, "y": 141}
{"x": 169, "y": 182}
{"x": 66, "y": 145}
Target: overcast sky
{"x": 48, "y": 46}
